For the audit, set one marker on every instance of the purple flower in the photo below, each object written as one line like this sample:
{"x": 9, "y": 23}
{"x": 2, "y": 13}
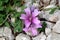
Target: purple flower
{"x": 31, "y": 21}
{"x": 32, "y": 30}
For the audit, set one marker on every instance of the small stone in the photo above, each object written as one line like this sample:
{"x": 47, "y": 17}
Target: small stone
{"x": 57, "y": 13}
{"x": 41, "y": 14}
{"x": 13, "y": 20}
{"x": 50, "y": 25}
{"x": 49, "y": 6}
{"x": 41, "y": 36}
{"x": 22, "y": 37}
{"x": 55, "y": 36}
{"x": 49, "y": 37}
{"x": 56, "y": 28}
{"x": 59, "y": 2}
{"x": 46, "y": 2}
{"x": 47, "y": 15}
{"x": 8, "y": 33}
{"x": 53, "y": 18}
{"x": 2, "y": 38}
{"x": 1, "y": 31}
{"x": 18, "y": 9}
{"x": 47, "y": 31}
{"x": 53, "y": 2}
{"x": 36, "y": 5}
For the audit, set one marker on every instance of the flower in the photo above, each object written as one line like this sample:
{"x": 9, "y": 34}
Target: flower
{"x": 31, "y": 21}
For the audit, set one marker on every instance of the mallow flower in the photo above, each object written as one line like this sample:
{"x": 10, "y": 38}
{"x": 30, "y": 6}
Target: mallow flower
{"x": 31, "y": 21}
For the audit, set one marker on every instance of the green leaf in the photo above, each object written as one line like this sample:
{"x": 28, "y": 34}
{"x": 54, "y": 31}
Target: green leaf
{"x": 1, "y": 8}
{"x": 18, "y": 27}
{"x": 1, "y": 3}
{"x": 44, "y": 25}
{"x": 52, "y": 10}
{"x": 5, "y": 1}
{"x": 1, "y": 18}
{"x": 7, "y": 24}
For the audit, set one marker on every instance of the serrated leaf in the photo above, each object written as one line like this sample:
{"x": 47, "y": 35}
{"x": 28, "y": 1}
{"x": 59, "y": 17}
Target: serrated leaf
{"x": 1, "y": 18}
{"x": 18, "y": 27}
{"x": 7, "y": 24}
{"x": 52, "y": 10}
{"x": 1, "y": 8}
{"x": 5, "y": 1}
{"x": 1, "y": 3}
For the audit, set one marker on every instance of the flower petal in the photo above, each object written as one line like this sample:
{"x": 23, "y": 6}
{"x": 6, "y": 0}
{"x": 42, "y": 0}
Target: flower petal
{"x": 38, "y": 26}
{"x": 36, "y": 21}
{"x": 27, "y": 10}
{"x": 34, "y": 32}
{"x": 35, "y": 13}
{"x": 27, "y": 23}
{"x": 23, "y": 16}
{"x": 25, "y": 29}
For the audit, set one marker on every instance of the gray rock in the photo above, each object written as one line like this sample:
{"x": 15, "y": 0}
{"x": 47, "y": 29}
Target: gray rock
{"x": 41, "y": 36}
{"x": 47, "y": 15}
{"x": 22, "y": 37}
{"x": 50, "y": 25}
{"x": 28, "y": 3}
{"x": 49, "y": 37}
{"x": 55, "y": 36}
{"x": 47, "y": 31}
{"x": 56, "y": 28}
{"x": 52, "y": 17}
{"x": 57, "y": 13}
{"x": 18, "y": 9}
{"x": 6, "y": 32}
{"x": 2, "y": 38}
{"x": 53, "y": 2}
{"x": 41, "y": 14}
{"x": 59, "y": 2}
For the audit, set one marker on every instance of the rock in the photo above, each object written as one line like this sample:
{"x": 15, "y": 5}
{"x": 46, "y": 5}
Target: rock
{"x": 22, "y": 36}
{"x": 53, "y": 18}
{"x": 1, "y": 31}
{"x": 2, "y": 38}
{"x": 13, "y": 20}
{"x": 6, "y": 32}
{"x": 53, "y": 2}
{"x": 55, "y": 36}
{"x": 41, "y": 14}
{"x": 47, "y": 15}
{"x": 49, "y": 37}
{"x": 46, "y": 2}
{"x": 28, "y": 3}
{"x": 59, "y": 2}
{"x": 41, "y": 36}
{"x": 50, "y": 25}
{"x": 36, "y": 5}
{"x": 18, "y": 9}
{"x": 56, "y": 28}
{"x": 47, "y": 31}
{"x": 49, "y": 6}
{"x": 57, "y": 13}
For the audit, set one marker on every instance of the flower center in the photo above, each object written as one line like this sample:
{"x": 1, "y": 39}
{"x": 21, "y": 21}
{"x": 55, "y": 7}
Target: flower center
{"x": 30, "y": 18}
